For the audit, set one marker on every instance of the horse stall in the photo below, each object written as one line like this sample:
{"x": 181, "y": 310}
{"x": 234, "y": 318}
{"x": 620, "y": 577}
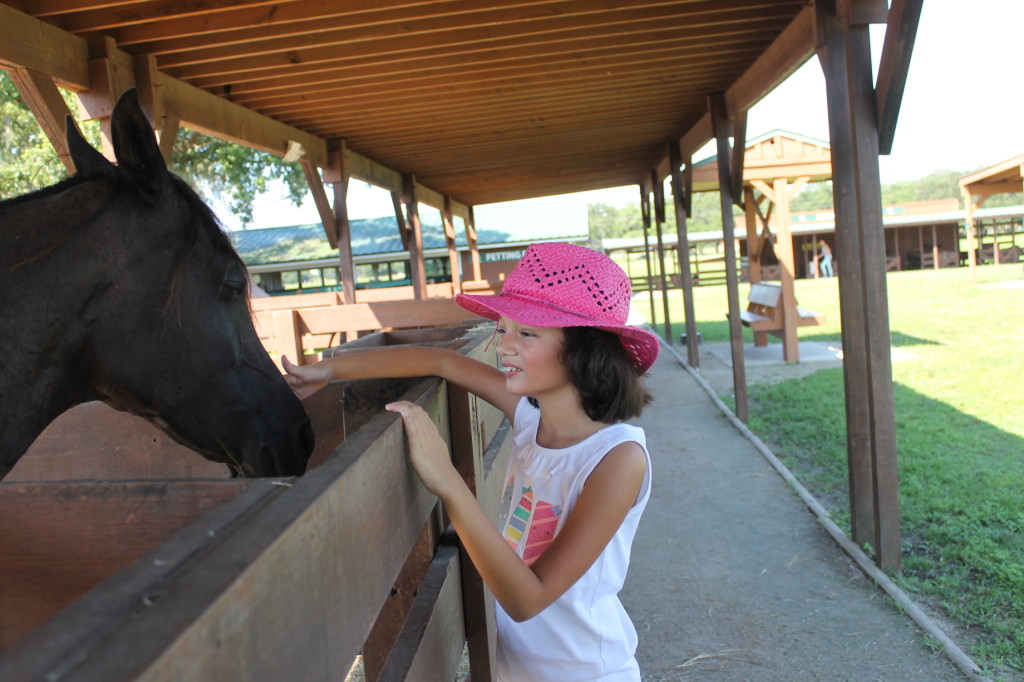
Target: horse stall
{"x": 129, "y": 557}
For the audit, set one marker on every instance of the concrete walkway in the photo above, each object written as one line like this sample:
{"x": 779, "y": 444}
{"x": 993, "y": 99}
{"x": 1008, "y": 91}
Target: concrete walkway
{"x": 732, "y": 578}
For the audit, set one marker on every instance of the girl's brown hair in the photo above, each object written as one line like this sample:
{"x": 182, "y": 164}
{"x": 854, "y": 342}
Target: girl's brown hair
{"x": 610, "y": 386}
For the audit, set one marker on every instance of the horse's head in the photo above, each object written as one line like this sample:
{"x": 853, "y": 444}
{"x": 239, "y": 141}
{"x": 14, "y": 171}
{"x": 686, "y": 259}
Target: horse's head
{"x": 171, "y": 332}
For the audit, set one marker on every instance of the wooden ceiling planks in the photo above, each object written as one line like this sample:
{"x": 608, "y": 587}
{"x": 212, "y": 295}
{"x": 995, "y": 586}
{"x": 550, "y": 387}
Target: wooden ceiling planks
{"x": 482, "y": 102}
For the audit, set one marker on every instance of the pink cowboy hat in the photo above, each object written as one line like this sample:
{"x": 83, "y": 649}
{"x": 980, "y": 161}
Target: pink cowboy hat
{"x": 564, "y": 285}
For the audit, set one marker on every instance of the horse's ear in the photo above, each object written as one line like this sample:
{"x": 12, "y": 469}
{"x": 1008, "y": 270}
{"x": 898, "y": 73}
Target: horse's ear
{"x": 135, "y": 143}
{"x": 83, "y": 155}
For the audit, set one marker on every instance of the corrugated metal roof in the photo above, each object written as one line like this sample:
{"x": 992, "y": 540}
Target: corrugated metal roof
{"x": 498, "y": 224}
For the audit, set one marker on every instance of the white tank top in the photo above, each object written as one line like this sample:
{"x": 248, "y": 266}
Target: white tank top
{"x": 586, "y": 633}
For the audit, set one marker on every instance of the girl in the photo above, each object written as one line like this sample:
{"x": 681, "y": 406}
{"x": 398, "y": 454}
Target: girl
{"x": 578, "y": 479}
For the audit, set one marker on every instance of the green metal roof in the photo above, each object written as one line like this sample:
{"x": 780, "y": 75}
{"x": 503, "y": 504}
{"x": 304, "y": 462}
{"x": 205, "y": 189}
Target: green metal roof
{"x": 497, "y": 224}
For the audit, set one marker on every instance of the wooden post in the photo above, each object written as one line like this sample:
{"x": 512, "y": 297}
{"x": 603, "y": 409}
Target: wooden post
{"x": 680, "y": 195}
{"x": 346, "y": 265}
{"x": 813, "y": 258}
{"x": 645, "y": 210}
{"x": 43, "y": 98}
{"x": 860, "y": 249}
{"x": 337, "y": 174}
{"x": 719, "y": 124}
{"x": 753, "y": 240}
{"x": 659, "y": 217}
{"x": 287, "y": 330}
{"x": 896, "y": 246}
{"x": 449, "y": 238}
{"x": 467, "y": 455}
{"x": 784, "y": 251}
{"x": 417, "y": 269}
{"x": 474, "y": 248}
{"x": 111, "y": 71}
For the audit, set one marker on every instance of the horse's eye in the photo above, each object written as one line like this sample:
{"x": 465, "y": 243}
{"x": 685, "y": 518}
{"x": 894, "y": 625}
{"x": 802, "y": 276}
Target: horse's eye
{"x": 236, "y": 288}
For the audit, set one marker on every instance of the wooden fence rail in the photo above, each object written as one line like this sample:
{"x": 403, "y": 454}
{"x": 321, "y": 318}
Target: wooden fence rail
{"x": 301, "y": 333}
{"x": 261, "y": 579}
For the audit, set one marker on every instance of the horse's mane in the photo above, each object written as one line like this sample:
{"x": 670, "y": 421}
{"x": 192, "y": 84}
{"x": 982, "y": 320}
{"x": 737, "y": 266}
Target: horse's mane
{"x": 202, "y": 220}
{"x": 56, "y": 188}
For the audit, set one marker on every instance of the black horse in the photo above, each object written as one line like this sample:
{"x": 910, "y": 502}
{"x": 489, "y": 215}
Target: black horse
{"x": 118, "y": 284}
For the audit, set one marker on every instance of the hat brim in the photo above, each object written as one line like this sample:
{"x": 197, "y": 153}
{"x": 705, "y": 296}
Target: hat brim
{"x": 642, "y": 345}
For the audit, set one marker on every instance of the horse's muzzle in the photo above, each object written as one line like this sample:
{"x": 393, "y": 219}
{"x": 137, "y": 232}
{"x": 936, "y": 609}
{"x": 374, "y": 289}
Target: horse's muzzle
{"x": 247, "y": 419}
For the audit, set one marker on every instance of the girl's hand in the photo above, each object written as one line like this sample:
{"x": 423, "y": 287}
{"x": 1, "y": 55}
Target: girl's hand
{"x": 305, "y": 380}
{"x": 427, "y": 450}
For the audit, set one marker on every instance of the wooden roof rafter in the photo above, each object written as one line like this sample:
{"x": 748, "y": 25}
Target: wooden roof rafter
{"x": 1004, "y": 177}
{"x": 475, "y": 90}
{"x": 53, "y": 55}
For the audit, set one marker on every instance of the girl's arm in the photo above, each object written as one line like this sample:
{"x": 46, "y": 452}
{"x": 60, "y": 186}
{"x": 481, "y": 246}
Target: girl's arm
{"x": 524, "y": 591}
{"x": 404, "y": 361}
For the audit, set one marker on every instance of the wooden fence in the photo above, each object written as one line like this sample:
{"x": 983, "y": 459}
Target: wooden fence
{"x": 128, "y": 557}
{"x": 303, "y": 325}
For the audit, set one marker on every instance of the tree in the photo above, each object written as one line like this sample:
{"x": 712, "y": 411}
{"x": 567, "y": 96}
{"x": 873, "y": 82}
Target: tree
{"x": 814, "y": 196}
{"x": 218, "y": 168}
{"x": 611, "y": 222}
{"x": 212, "y": 166}
{"x": 27, "y": 159}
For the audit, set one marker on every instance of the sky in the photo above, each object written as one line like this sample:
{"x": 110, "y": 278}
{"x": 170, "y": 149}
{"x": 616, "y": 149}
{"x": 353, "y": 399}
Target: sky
{"x": 963, "y": 108}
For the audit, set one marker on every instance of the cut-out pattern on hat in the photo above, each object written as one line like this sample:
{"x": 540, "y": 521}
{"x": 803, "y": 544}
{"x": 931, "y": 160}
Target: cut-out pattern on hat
{"x": 574, "y": 279}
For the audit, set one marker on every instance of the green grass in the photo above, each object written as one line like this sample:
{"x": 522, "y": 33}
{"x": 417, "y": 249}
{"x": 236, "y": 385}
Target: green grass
{"x": 958, "y": 375}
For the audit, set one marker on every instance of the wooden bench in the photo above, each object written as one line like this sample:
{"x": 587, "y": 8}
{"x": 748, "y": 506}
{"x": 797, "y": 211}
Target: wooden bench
{"x": 764, "y": 312}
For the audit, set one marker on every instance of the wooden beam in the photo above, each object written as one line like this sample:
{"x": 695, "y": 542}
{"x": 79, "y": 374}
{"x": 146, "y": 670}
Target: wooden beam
{"x": 751, "y": 211}
{"x": 659, "y": 212}
{"x": 863, "y": 12}
{"x": 784, "y": 252}
{"x": 680, "y": 192}
{"x": 28, "y": 43}
{"x": 739, "y": 148}
{"x": 323, "y": 206}
{"x": 719, "y": 119}
{"x": 368, "y": 170}
{"x": 151, "y": 94}
{"x": 417, "y": 268}
{"x": 645, "y": 212}
{"x": 112, "y": 71}
{"x": 904, "y": 17}
{"x": 765, "y": 189}
{"x": 985, "y": 190}
{"x": 688, "y": 186}
{"x": 852, "y": 311}
{"x": 41, "y": 95}
{"x": 860, "y": 252}
{"x": 100, "y": 75}
{"x": 403, "y": 224}
{"x": 472, "y": 243}
{"x": 207, "y": 113}
{"x": 166, "y": 136}
{"x": 449, "y": 238}
{"x": 972, "y": 233}
{"x": 794, "y": 46}
{"x": 346, "y": 265}
{"x": 696, "y": 137}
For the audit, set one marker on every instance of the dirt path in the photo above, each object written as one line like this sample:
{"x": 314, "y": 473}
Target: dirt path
{"x": 732, "y": 578}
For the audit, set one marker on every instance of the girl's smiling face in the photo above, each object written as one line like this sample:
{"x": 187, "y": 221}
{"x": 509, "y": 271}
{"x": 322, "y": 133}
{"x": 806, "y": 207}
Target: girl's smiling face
{"x": 529, "y": 358}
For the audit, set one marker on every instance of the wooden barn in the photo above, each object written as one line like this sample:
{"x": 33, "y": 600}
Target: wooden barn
{"x": 147, "y": 571}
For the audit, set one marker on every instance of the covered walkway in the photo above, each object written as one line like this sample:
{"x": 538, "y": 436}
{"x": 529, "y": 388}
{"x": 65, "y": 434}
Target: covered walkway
{"x": 732, "y": 578}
